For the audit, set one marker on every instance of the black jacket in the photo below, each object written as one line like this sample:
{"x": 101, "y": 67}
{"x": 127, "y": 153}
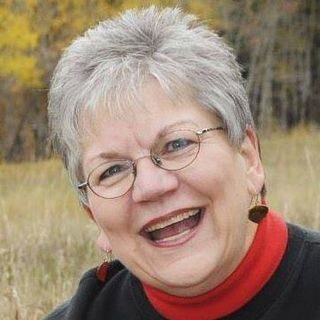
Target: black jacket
{"x": 292, "y": 293}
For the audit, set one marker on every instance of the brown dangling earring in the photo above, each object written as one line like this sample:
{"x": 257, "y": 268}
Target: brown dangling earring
{"x": 258, "y": 211}
{"x": 102, "y": 270}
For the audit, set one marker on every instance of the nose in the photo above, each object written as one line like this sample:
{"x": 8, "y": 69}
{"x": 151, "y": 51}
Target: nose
{"x": 152, "y": 182}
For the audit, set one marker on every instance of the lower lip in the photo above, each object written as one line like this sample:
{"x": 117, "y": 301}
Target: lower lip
{"x": 180, "y": 240}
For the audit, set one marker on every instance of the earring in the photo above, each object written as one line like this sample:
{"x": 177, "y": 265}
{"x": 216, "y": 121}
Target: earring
{"x": 102, "y": 270}
{"x": 258, "y": 211}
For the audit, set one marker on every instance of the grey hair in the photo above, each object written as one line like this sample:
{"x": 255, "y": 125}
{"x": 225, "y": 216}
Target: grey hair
{"x": 108, "y": 65}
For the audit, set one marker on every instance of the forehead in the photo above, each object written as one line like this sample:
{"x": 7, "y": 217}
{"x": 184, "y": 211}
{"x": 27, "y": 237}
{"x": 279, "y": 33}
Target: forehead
{"x": 140, "y": 122}
{"x": 150, "y": 101}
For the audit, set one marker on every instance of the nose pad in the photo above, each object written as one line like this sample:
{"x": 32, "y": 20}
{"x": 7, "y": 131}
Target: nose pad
{"x": 156, "y": 160}
{"x": 151, "y": 181}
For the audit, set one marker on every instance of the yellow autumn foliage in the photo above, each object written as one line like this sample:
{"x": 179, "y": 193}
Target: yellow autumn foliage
{"x": 17, "y": 44}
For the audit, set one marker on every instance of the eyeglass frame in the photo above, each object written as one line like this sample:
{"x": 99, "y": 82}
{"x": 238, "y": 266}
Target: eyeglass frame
{"x": 156, "y": 160}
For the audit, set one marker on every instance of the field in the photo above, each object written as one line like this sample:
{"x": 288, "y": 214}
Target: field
{"x": 46, "y": 241}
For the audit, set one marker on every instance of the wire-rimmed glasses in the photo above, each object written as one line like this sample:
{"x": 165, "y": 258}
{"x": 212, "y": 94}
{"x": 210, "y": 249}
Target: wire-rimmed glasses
{"x": 173, "y": 151}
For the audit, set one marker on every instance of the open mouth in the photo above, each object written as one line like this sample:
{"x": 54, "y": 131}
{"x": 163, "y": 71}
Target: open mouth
{"x": 175, "y": 228}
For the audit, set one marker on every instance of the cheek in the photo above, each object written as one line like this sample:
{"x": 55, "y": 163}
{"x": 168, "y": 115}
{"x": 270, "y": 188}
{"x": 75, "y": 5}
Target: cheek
{"x": 223, "y": 184}
{"x": 108, "y": 214}
{"x": 215, "y": 177}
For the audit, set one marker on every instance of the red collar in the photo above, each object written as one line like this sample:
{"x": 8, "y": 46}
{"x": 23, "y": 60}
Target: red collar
{"x": 241, "y": 286}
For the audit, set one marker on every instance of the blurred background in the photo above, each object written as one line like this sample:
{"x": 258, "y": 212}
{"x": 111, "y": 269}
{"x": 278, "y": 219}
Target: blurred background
{"x": 46, "y": 241}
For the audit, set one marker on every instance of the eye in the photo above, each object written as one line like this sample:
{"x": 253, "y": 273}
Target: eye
{"x": 177, "y": 144}
{"x": 113, "y": 171}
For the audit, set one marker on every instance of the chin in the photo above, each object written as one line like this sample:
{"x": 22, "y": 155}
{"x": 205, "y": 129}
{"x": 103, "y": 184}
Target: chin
{"x": 192, "y": 275}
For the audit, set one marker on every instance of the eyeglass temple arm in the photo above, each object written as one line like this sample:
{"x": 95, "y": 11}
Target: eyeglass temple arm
{"x": 200, "y": 132}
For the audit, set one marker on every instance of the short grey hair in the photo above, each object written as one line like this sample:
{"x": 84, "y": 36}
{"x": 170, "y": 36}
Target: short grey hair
{"x": 108, "y": 65}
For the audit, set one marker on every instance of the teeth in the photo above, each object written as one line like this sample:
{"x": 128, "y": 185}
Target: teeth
{"x": 172, "y": 220}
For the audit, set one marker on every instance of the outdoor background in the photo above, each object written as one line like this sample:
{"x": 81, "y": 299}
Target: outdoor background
{"x": 46, "y": 241}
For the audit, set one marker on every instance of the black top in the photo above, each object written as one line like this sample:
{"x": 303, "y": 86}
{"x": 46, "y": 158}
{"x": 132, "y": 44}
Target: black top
{"x": 293, "y": 292}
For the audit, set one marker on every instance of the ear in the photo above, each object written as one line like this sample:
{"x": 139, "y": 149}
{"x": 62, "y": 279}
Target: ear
{"x": 88, "y": 211}
{"x": 103, "y": 242}
{"x": 250, "y": 151}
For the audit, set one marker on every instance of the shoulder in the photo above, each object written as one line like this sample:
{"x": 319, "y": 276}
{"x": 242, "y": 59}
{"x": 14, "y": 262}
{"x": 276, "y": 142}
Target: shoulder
{"x": 307, "y": 242}
{"x": 311, "y": 237}
{"x": 307, "y": 252}
{"x": 89, "y": 288}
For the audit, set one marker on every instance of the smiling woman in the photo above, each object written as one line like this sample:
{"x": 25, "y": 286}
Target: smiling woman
{"x": 151, "y": 118}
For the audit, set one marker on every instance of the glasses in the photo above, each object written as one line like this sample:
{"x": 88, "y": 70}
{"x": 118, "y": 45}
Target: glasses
{"x": 174, "y": 151}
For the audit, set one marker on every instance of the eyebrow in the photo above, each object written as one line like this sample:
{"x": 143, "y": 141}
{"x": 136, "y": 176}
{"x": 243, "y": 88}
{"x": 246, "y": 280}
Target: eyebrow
{"x": 112, "y": 155}
{"x": 172, "y": 126}
{"x": 107, "y": 155}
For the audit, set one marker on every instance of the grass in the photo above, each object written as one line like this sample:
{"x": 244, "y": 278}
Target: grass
{"x": 46, "y": 241}
{"x": 292, "y": 163}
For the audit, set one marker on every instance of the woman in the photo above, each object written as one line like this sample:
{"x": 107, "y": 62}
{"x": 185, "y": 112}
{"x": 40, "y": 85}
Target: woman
{"x": 150, "y": 115}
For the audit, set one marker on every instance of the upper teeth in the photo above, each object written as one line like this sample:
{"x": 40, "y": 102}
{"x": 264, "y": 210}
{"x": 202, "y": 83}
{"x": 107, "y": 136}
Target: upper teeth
{"x": 172, "y": 220}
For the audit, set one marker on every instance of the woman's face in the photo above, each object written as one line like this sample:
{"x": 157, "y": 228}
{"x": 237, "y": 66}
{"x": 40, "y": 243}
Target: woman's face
{"x": 180, "y": 231}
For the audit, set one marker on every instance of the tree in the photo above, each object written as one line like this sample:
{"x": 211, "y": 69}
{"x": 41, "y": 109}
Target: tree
{"x": 277, "y": 43}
